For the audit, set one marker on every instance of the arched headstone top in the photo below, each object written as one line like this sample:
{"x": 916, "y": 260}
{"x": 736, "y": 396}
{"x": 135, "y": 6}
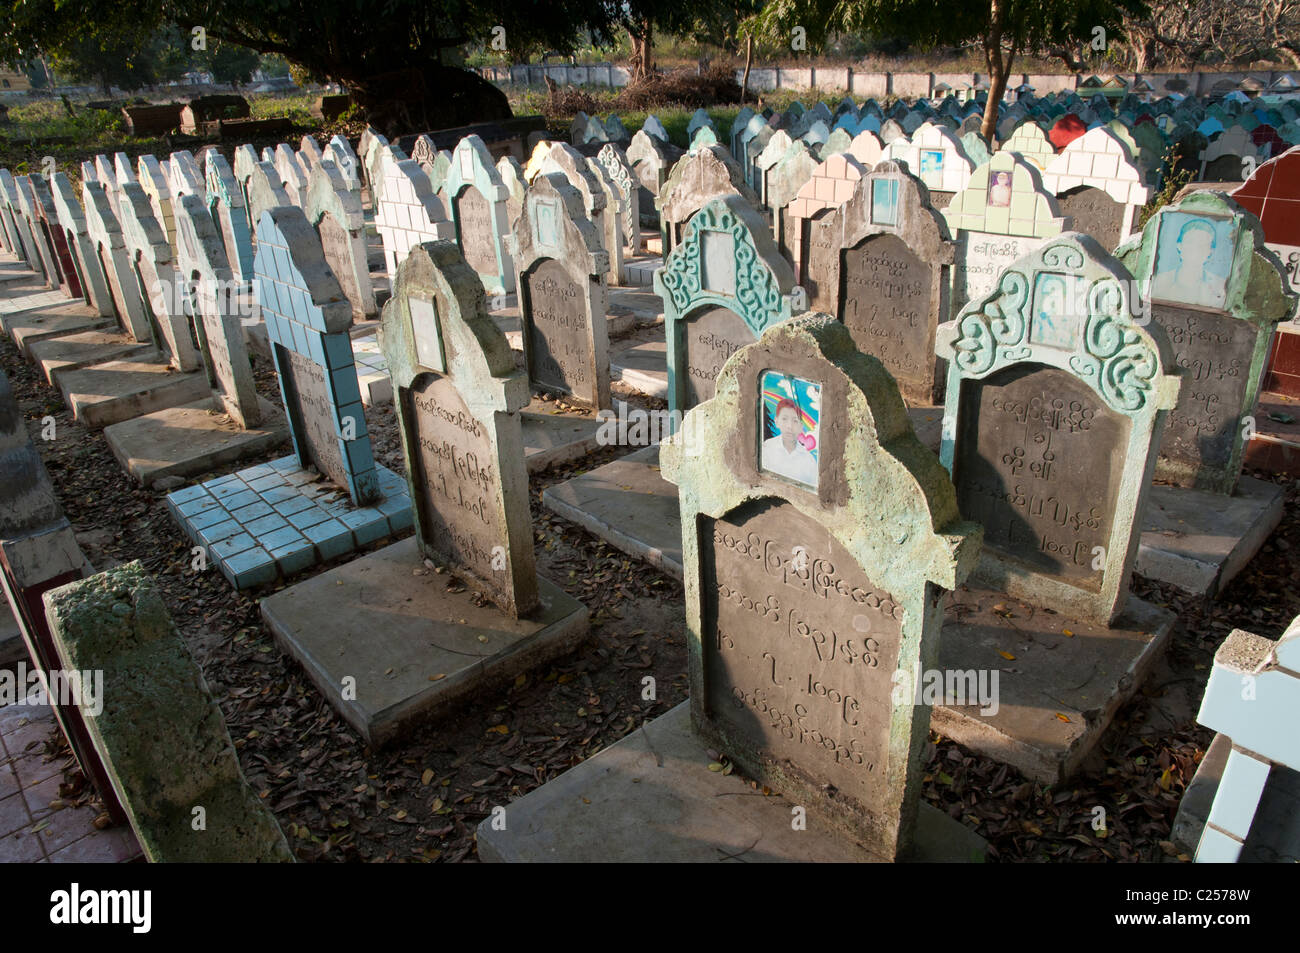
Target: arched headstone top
{"x": 713, "y": 458}
{"x": 1029, "y": 140}
{"x": 890, "y": 200}
{"x": 727, "y": 259}
{"x": 1006, "y": 196}
{"x": 327, "y": 192}
{"x": 1070, "y": 305}
{"x": 553, "y": 224}
{"x": 699, "y": 176}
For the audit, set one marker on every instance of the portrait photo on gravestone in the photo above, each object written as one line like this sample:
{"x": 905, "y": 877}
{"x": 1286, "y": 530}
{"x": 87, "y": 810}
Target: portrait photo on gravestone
{"x": 802, "y": 433}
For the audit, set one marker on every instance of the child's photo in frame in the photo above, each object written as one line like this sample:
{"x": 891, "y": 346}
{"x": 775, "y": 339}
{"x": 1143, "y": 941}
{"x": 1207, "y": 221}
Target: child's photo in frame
{"x": 790, "y": 413}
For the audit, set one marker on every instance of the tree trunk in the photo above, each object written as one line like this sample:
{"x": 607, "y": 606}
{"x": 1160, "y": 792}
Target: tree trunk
{"x": 999, "y": 68}
{"x": 642, "y": 33}
{"x": 749, "y": 60}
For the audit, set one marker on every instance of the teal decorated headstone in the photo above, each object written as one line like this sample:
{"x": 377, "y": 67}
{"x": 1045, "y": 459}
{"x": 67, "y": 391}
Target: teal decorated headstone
{"x": 1057, "y": 395}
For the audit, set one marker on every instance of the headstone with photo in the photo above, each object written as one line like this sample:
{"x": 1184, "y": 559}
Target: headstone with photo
{"x": 458, "y": 395}
{"x": 936, "y": 157}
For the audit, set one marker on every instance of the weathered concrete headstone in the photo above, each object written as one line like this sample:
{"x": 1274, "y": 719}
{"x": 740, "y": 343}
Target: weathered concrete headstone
{"x": 813, "y": 557}
{"x": 291, "y": 174}
{"x": 651, "y": 160}
{"x": 1003, "y": 214}
{"x": 90, "y": 273}
{"x": 886, "y": 269}
{"x": 31, "y": 252}
{"x": 160, "y": 732}
{"x": 108, "y": 252}
{"x": 1218, "y": 292}
{"x": 694, "y": 181}
{"x": 1050, "y": 374}
{"x": 477, "y": 197}
{"x": 408, "y": 213}
{"x": 265, "y": 190}
{"x": 340, "y": 150}
{"x": 563, "y": 294}
{"x": 587, "y": 178}
{"x": 721, "y": 287}
{"x": 183, "y": 175}
{"x": 62, "y": 256}
{"x": 335, "y": 212}
{"x": 154, "y": 183}
{"x": 614, "y": 161}
{"x": 226, "y": 204}
{"x": 512, "y": 177}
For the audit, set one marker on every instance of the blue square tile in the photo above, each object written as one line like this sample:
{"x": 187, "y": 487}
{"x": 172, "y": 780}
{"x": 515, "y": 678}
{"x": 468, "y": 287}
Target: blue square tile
{"x": 315, "y": 350}
{"x": 294, "y": 504}
{"x": 376, "y": 528}
{"x": 347, "y": 389}
{"x": 188, "y": 494}
{"x": 402, "y": 521}
{"x": 264, "y": 483}
{"x": 207, "y": 518}
{"x": 390, "y": 505}
{"x": 232, "y": 488}
{"x": 308, "y": 517}
{"x": 229, "y": 547}
{"x": 215, "y": 533}
{"x": 267, "y": 524}
{"x": 254, "y": 511}
{"x": 197, "y": 505}
{"x": 280, "y": 494}
{"x": 294, "y": 559}
{"x": 255, "y": 473}
{"x": 338, "y": 349}
{"x": 252, "y": 567}
{"x": 220, "y": 481}
{"x": 357, "y": 517}
{"x": 331, "y": 538}
{"x": 279, "y": 538}
{"x": 237, "y": 501}
{"x": 285, "y": 463}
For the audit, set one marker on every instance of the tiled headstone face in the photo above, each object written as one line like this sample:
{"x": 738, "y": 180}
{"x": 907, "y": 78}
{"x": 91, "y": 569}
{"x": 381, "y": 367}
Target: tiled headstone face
{"x": 1002, "y": 215}
{"x": 1272, "y": 195}
{"x": 458, "y": 394}
{"x": 1100, "y": 162}
{"x": 830, "y": 186}
{"x": 721, "y": 287}
{"x": 563, "y": 293}
{"x": 1030, "y": 141}
{"x": 1218, "y": 294}
{"x": 201, "y": 258}
{"x": 801, "y": 603}
{"x": 1056, "y": 393}
{"x": 936, "y": 157}
{"x": 408, "y": 212}
{"x": 307, "y": 320}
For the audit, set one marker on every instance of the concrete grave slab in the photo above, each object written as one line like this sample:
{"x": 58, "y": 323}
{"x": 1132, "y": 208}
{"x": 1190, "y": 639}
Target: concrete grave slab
{"x": 425, "y": 649}
{"x": 651, "y": 798}
{"x": 72, "y": 351}
{"x": 50, "y": 319}
{"x": 107, "y": 393}
{"x": 191, "y": 439}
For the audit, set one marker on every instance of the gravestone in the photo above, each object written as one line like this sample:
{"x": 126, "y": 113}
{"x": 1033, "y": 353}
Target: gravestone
{"x": 291, "y": 174}
{"x": 1049, "y": 374}
{"x": 32, "y": 253}
{"x": 1098, "y": 186}
{"x": 108, "y": 253}
{"x": 808, "y": 212}
{"x": 310, "y": 151}
{"x": 45, "y": 218}
{"x": 784, "y": 180}
{"x": 1029, "y": 140}
{"x": 226, "y": 204}
{"x": 769, "y": 556}
{"x": 161, "y": 739}
{"x": 408, "y": 213}
{"x": 587, "y": 178}
{"x": 183, "y": 175}
{"x": 777, "y": 146}
{"x": 265, "y": 190}
{"x": 457, "y": 396}
{"x": 704, "y": 136}
{"x": 345, "y": 159}
{"x": 697, "y": 179}
{"x": 1057, "y": 395}
{"x": 243, "y": 163}
{"x": 153, "y": 265}
{"x": 614, "y": 161}
{"x": 89, "y": 271}
{"x": 753, "y": 140}
{"x": 653, "y": 127}
{"x": 154, "y": 183}
{"x": 651, "y": 161}
{"x": 700, "y": 119}
{"x": 887, "y": 269}
{"x": 1218, "y": 293}
{"x": 477, "y": 198}
{"x": 563, "y": 295}
{"x": 512, "y": 177}
{"x": 839, "y": 141}
{"x": 737, "y": 127}
{"x": 936, "y": 157}
{"x": 1002, "y": 215}
{"x": 335, "y": 212}
{"x": 721, "y": 287}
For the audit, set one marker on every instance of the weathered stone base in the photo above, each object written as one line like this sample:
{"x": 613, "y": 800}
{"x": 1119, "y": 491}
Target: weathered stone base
{"x": 276, "y": 520}
{"x": 191, "y": 439}
{"x": 119, "y": 390}
{"x": 642, "y": 367}
{"x": 627, "y": 503}
{"x": 550, "y": 439}
{"x": 652, "y": 798}
{"x": 28, "y": 327}
{"x": 1198, "y": 540}
{"x": 1057, "y": 693}
{"x": 12, "y": 646}
{"x": 1275, "y": 833}
{"x": 73, "y": 351}
{"x": 412, "y": 648}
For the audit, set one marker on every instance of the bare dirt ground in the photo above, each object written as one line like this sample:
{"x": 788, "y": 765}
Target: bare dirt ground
{"x": 339, "y": 801}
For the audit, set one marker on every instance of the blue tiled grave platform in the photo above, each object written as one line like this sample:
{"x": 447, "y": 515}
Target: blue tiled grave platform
{"x": 277, "y": 519}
